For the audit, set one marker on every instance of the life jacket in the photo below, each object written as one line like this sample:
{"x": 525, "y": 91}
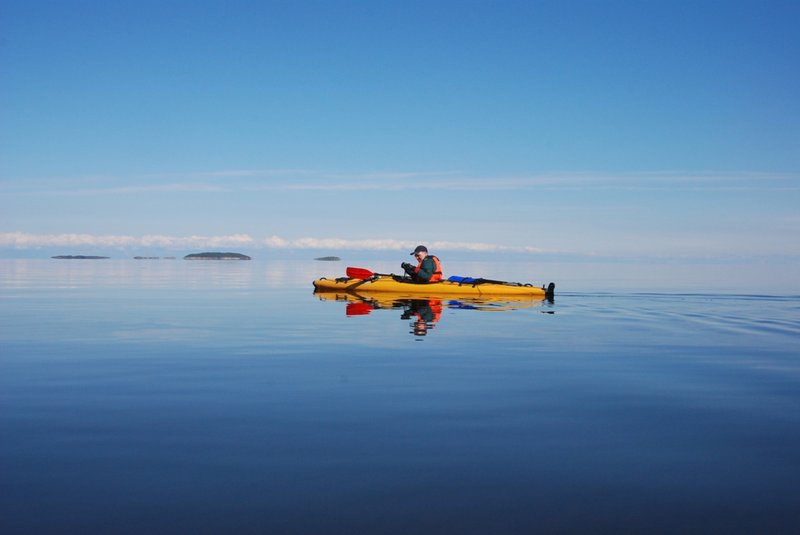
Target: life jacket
{"x": 437, "y": 272}
{"x": 436, "y": 308}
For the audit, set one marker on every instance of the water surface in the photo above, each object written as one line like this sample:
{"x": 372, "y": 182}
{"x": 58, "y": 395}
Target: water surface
{"x": 171, "y": 396}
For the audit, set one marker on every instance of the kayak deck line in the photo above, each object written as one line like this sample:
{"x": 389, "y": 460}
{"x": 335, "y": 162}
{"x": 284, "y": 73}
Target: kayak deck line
{"x": 400, "y": 285}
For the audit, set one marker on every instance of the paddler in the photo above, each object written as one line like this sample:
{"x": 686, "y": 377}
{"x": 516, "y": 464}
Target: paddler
{"x": 428, "y": 269}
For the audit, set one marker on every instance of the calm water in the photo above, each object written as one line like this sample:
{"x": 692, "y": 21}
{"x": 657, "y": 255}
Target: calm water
{"x": 207, "y": 397}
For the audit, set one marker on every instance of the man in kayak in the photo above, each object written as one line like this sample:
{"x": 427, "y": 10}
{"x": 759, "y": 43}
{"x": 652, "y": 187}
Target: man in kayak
{"x": 428, "y": 270}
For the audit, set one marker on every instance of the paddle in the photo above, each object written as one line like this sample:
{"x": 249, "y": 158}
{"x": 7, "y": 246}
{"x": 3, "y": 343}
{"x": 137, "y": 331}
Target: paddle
{"x": 362, "y": 273}
{"x": 360, "y": 308}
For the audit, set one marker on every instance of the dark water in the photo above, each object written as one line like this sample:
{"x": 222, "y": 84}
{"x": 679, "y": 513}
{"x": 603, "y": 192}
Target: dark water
{"x": 178, "y": 397}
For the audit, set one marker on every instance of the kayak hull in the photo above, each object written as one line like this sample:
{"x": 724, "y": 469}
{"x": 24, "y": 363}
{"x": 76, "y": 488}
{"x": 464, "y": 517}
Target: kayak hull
{"x": 382, "y": 284}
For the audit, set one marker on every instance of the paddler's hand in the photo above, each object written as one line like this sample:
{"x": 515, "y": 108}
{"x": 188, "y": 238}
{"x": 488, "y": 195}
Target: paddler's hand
{"x": 406, "y": 267}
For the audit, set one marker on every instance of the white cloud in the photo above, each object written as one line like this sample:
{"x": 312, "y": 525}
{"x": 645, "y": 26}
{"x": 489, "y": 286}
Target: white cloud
{"x": 275, "y": 242}
{"x": 24, "y": 240}
{"x": 257, "y": 180}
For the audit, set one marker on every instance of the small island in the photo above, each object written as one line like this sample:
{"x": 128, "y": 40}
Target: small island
{"x": 328, "y": 259}
{"x": 216, "y": 256}
{"x": 79, "y": 257}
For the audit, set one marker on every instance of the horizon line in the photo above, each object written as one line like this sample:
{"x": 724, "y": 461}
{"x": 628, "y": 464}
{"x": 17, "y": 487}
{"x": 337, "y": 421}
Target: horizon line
{"x": 22, "y": 241}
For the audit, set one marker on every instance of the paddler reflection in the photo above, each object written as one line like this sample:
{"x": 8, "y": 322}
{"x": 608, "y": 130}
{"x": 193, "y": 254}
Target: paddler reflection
{"x": 424, "y": 313}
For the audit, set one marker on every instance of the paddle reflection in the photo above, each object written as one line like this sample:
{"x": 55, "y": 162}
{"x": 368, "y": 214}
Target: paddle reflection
{"x": 421, "y": 314}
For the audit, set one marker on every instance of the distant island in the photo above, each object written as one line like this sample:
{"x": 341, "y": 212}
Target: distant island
{"x": 216, "y": 256}
{"x": 146, "y": 258}
{"x": 328, "y": 258}
{"x": 79, "y": 257}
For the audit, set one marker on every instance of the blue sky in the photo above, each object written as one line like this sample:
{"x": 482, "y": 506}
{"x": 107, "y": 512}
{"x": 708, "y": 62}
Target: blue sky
{"x": 577, "y": 129}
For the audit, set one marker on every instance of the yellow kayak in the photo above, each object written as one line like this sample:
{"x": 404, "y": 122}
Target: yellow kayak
{"x": 400, "y": 286}
{"x": 359, "y": 303}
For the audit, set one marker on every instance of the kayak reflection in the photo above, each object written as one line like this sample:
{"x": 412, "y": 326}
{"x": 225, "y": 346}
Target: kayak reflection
{"x": 423, "y": 313}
